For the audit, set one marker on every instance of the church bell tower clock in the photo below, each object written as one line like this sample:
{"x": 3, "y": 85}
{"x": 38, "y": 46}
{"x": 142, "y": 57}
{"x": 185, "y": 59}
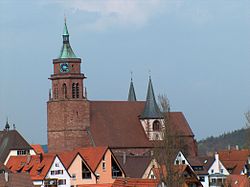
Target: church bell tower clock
{"x": 67, "y": 108}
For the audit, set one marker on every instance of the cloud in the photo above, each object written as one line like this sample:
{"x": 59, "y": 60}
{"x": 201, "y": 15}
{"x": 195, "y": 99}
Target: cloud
{"x": 109, "y": 13}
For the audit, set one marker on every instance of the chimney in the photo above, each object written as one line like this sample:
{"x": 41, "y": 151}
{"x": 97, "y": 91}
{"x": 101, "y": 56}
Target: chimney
{"x": 6, "y": 176}
{"x": 237, "y": 147}
{"x": 28, "y": 159}
{"x": 229, "y": 147}
{"x": 124, "y": 158}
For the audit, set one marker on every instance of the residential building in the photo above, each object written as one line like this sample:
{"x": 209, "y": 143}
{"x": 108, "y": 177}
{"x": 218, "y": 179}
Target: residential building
{"x": 13, "y": 144}
{"x": 92, "y": 165}
{"x": 45, "y": 170}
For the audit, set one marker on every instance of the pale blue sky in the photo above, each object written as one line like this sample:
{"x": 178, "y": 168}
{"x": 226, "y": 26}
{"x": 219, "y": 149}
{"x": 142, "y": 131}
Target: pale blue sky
{"x": 198, "y": 53}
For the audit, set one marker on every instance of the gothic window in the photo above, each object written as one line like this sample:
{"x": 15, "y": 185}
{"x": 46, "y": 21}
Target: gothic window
{"x": 73, "y": 90}
{"x": 86, "y": 174}
{"x": 156, "y": 125}
{"x": 77, "y": 90}
{"x": 64, "y": 89}
{"x": 56, "y": 92}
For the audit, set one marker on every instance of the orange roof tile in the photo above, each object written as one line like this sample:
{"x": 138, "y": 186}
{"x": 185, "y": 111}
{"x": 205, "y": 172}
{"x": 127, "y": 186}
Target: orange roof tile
{"x": 37, "y": 148}
{"x": 92, "y": 155}
{"x": 96, "y": 185}
{"x": 238, "y": 181}
{"x": 37, "y": 168}
{"x": 133, "y": 182}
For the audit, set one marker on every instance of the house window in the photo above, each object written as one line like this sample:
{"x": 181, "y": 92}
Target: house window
{"x": 61, "y": 181}
{"x": 23, "y": 152}
{"x": 183, "y": 162}
{"x": 212, "y": 171}
{"x": 177, "y": 162}
{"x": 86, "y": 174}
{"x": 56, "y": 172}
{"x": 116, "y": 172}
{"x": 202, "y": 179}
{"x": 103, "y": 166}
{"x": 73, "y": 176}
{"x": 57, "y": 164}
{"x": 221, "y": 170}
{"x": 156, "y": 125}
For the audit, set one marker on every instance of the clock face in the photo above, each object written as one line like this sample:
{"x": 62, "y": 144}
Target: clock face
{"x": 64, "y": 67}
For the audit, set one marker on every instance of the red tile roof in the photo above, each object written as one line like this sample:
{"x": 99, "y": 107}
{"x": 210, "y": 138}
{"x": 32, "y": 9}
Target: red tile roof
{"x": 234, "y": 159}
{"x": 117, "y": 123}
{"x": 91, "y": 155}
{"x": 37, "y": 168}
{"x": 95, "y": 185}
{"x": 133, "y": 182}
{"x": 37, "y": 148}
{"x": 238, "y": 181}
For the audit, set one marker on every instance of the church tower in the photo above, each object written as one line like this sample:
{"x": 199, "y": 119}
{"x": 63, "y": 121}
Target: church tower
{"x": 67, "y": 108}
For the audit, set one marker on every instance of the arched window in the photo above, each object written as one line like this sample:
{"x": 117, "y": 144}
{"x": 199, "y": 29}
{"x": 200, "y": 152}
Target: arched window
{"x": 77, "y": 90}
{"x": 56, "y": 92}
{"x": 156, "y": 125}
{"x": 73, "y": 90}
{"x": 64, "y": 90}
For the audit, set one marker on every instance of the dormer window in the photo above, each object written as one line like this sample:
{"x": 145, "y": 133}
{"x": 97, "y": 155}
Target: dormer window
{"x": 156, "y": 125}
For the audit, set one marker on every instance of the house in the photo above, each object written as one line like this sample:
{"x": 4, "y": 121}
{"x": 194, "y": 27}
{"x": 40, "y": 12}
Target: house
{"x": 196, "y": 165}
{"x": 217, "y": 172}
{"x": 184, "y": 175}
{"x": 92, "y": 165}
{"x": 235, "y": 161}
{"x": 75, "y": 121}
{"x": 13, "y": 144}
{"x": 44, "y": 170}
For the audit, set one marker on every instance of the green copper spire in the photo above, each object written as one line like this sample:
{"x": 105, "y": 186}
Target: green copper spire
{"x": 151, "y": 109}
{"x": 66, "y": 51}
{"x": 131, "y": 93}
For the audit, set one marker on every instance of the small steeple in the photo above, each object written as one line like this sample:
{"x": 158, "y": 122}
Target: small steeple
{"x": 7, "y": 126}
{"x": 131, "y": 92}
{"x": 151, "y": 109}
{"x": 66, "y": 51}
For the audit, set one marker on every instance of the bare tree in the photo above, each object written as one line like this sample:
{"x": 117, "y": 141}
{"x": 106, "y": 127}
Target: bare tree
{"x": 247, "y": 134}
{"x": 166, "y": 150}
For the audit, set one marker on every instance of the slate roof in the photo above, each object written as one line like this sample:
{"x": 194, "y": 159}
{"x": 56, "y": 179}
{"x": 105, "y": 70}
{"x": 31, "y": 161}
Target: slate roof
{"x": 151, "y": 109}
{"x": 141, "y": 163}
{"x": 131, "y": 93}
{"x": 117, "y": 123}
{"x": 11, "y": 140}
{"x": 16, "y": 180}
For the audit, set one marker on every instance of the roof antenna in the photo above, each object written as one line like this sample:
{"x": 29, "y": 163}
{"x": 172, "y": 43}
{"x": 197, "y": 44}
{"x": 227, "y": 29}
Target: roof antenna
{"x": 14, "y": 126}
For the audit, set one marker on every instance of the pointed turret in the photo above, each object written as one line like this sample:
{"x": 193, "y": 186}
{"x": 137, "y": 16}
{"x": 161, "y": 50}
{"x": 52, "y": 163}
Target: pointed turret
{"x": 7, "y": 126}
{"x": 66, "y": 51}
{"x": 151, "y": 109}
{"x": 131, "y": 92}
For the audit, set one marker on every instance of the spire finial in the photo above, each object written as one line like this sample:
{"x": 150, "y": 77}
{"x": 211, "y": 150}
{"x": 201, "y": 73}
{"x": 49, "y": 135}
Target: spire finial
{"x": 131, "y": 74}
{"x": 7, "y": 126}
{"x": 149, "y": 74}
{"x": 65, "y": 18}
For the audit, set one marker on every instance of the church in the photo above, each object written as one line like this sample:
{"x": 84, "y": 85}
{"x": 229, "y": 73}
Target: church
{"x": 74, "y": 121}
